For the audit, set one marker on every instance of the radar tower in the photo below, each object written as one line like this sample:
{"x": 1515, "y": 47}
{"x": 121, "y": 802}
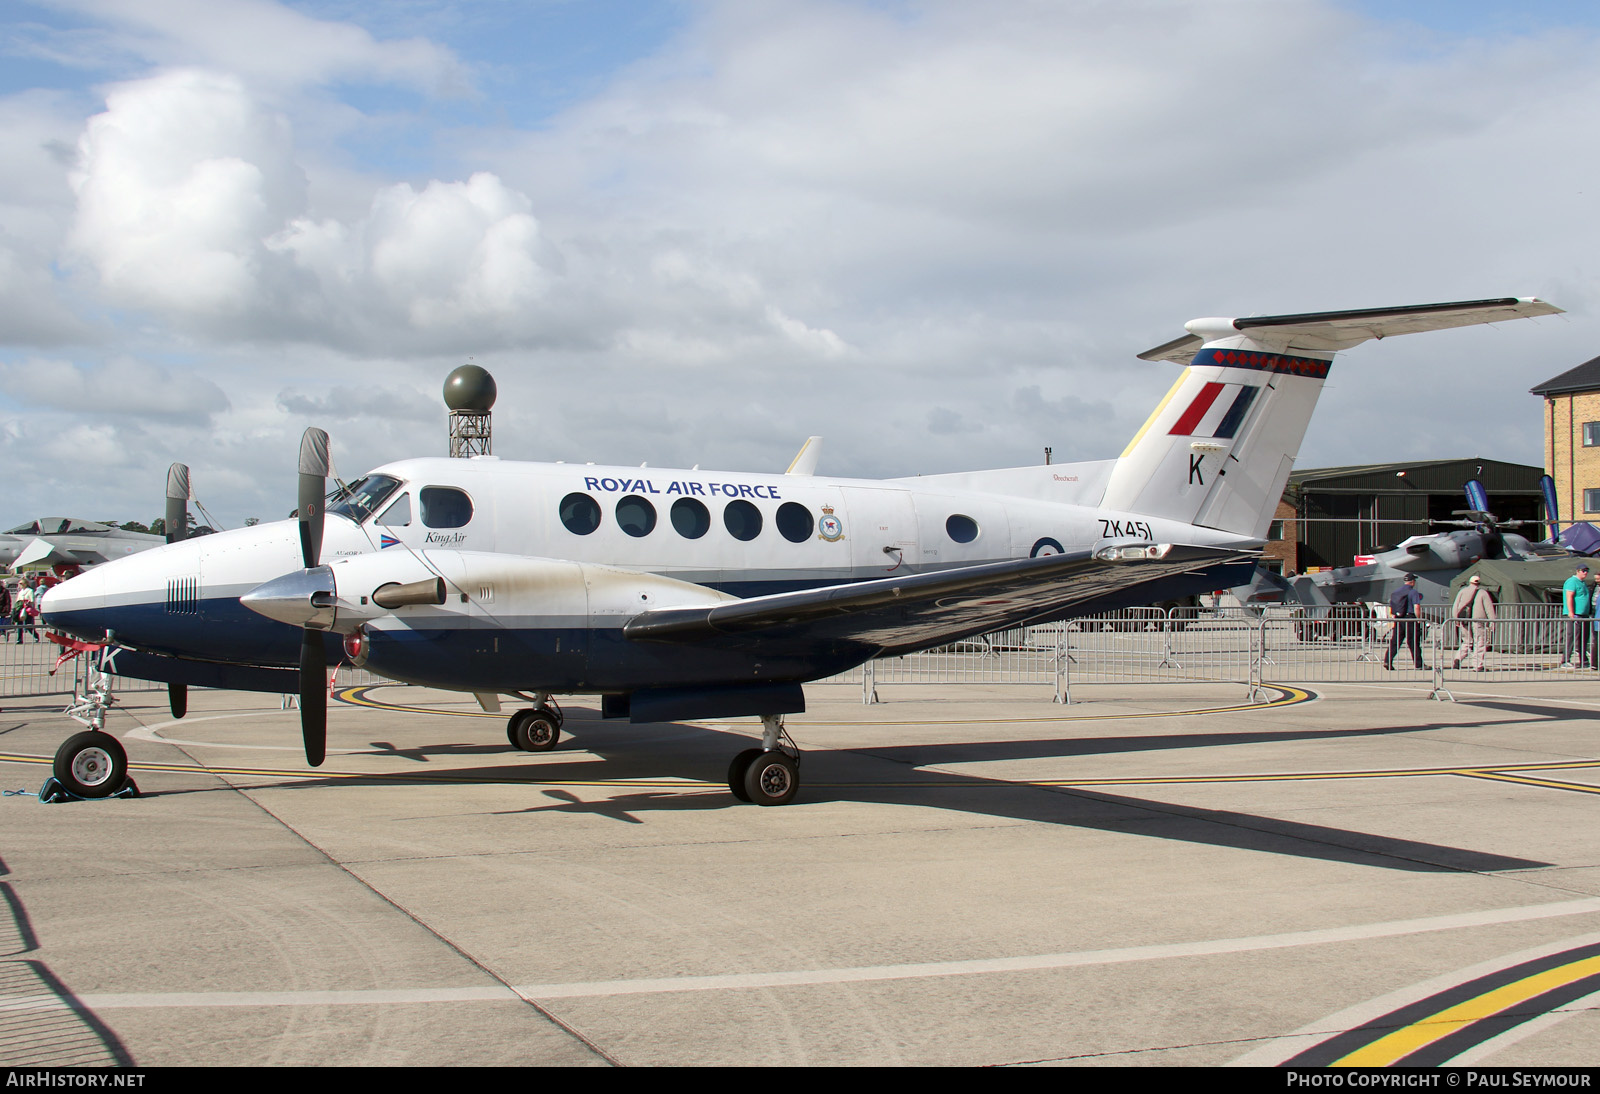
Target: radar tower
{"x": 469, "y": 392}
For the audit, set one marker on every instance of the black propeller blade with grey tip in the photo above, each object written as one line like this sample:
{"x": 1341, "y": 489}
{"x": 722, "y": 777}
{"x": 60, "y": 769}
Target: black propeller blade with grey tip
{"x": 313, "y": 696}
{"x": 313, "y": 493}
{"x": 313, "y": 658}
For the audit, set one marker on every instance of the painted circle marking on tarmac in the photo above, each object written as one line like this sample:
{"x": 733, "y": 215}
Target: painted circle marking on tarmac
{"x": 1460, "y": 1017}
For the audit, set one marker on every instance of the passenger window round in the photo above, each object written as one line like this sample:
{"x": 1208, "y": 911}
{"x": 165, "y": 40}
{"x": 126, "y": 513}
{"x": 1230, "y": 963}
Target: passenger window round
{"x": 961, "y": 529}
{"x": 636, "y": 516}
{"x": 795, "y": 522}
{"x": 691, "y": 519}
{"x": 742, "y": 519}
{"x": 580, "y": 513}
{"x": 444, "y": 506}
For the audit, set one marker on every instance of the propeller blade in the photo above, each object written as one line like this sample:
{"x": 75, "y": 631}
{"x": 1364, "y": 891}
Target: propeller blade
{"x": 177, "y": 514}
{"x": 1552, "y": 511}
{"x": 1477, "y": 496}
{"x": 313, "y": 493}
{"x": 314, "y": 696}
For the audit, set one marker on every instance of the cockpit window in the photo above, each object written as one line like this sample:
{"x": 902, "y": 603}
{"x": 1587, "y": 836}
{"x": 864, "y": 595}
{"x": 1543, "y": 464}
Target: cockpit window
{"x": 398, "y": 515}
{"x": 444, "y": 506}
{"x": 360, "y": 498}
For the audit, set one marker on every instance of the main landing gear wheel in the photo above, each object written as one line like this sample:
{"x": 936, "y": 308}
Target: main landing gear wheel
{"x": 741, "y": 763}
{"x": 771, "y": 779}
{"x": 91, "y": 765}
{"x": 534, "y": 730}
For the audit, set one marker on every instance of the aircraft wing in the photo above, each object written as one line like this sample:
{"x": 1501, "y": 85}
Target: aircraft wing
{"x": 1337, "y": 330}
{"x": 904, "y": 614}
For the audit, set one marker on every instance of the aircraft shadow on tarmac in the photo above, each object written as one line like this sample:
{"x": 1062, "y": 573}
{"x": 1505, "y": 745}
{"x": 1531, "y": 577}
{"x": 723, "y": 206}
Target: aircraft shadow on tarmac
{"x": 70, "y": 1035}
{"x": 893, "y": 775}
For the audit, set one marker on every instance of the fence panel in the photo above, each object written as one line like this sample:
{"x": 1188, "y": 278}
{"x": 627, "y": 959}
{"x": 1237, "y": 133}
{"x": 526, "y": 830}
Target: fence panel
{"x": 26, "y": 670}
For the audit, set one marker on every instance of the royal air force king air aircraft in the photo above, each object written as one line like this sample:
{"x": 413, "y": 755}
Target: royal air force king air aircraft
{"x": 696, "y": 594}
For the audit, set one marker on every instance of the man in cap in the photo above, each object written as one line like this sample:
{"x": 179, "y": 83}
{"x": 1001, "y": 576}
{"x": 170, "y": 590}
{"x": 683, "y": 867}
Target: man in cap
{"x": 1474, "y": 613}
{"x": 1577, "y": 602}
{"x": 1405, "y": 605}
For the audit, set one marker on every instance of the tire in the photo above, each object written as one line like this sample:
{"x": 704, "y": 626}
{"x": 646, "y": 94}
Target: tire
{"x": 772, "y": 779}
{"x": 736, "y": 770}
{"x": 91, "y": 765}
{"x": 535, "y": 731}
{"x": 511, "y": 728}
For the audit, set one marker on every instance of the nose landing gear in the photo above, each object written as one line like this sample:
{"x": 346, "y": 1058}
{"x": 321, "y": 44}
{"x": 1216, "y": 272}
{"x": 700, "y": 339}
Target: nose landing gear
{"x": 93, "y": 764}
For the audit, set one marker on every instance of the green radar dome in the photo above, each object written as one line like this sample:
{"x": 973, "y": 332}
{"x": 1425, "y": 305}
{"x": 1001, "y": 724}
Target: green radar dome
{"x": 469, "y": 388}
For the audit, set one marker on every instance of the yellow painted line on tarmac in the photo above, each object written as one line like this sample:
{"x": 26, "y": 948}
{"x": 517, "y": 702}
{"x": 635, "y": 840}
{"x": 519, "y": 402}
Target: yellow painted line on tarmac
{"x": 529, "y": 775}
{"x": 1549, "y": 784}
{"x": 1388, "y": 1050}
{"x": 360, "y": 695}
{"x": 512, "y": 777}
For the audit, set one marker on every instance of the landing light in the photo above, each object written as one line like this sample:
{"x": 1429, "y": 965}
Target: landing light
{"x": 1133, "y": 551}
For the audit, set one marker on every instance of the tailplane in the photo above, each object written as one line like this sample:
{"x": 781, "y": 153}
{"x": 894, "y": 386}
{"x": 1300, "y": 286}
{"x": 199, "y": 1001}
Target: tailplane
{"x": 1218, "y": 449}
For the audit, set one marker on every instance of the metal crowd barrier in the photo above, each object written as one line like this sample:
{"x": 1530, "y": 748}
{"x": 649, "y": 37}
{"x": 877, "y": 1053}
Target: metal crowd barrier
{"x": 1135, "y": 646}
{"x": 28, "y": 668}
{"x": 1277, "y": 645}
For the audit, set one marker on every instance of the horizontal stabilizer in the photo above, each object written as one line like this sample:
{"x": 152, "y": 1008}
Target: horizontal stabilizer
{"x": 1337, "y": 330}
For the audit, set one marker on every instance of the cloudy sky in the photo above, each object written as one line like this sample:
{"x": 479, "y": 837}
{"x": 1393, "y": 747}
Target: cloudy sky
{"x": 681, "y": 232}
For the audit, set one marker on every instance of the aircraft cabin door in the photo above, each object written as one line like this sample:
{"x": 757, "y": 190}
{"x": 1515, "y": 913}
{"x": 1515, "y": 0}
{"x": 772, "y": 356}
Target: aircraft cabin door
{"x": 882, "y": 532}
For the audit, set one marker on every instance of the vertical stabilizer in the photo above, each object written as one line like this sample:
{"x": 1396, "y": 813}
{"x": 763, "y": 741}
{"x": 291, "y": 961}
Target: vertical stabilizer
{"x": 1218, "y": 449}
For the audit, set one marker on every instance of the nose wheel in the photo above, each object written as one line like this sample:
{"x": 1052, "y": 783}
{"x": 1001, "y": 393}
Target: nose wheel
{"x": 769, "y": 775}
{"x": 91, "y": 765}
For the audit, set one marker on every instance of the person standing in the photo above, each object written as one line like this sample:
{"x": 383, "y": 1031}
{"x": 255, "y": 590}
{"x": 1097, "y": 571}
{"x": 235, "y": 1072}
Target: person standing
{"x": 1405, "y": 605}
{"x": 24, "y": 611}
{"x": 1474, "y": 612}
{"x": 1577, "y": 604}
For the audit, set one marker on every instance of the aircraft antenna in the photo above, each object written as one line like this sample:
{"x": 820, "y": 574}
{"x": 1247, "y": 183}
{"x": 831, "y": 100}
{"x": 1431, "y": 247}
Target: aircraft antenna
{"x": 469, "y": 392}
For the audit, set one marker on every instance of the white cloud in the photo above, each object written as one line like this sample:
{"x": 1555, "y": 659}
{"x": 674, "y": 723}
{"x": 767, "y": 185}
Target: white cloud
{"x": 178, "y": 183}
{"x": 936, "y": 233}
{"x": 268, "y": 43}
{"x": 122, "y": 386}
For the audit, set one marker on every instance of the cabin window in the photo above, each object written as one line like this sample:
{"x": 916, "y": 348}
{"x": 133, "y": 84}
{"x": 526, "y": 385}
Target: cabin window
{"x": 691, "y": 519}
{"x": 962, "y": 529}
{"x": 636, "y": 516}
{"x": 397, "y": 515}
{"x": 742, "y": 520}
{"x": 580, "y": 513}
{"x": 445, "y": 507}
{"x": 1591, "y": 434}
{"x": 795, "y": 522}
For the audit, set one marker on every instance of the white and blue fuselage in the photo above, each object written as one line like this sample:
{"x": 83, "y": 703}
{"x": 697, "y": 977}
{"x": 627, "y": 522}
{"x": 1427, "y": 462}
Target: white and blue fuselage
{"x": 704, "y": 533}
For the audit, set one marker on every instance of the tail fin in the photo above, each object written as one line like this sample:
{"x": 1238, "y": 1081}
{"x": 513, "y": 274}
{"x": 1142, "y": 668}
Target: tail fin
{"x": 1218, "y": 449}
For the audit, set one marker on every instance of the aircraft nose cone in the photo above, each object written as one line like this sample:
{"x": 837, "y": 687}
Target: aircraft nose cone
{"x": 304, "y": 598}
{"x": 77, "y": 606}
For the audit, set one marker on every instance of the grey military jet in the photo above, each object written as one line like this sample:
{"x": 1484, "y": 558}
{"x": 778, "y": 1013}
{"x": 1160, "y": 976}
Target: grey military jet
{"x": 1334, "y": 602}
{"x": 67, "y": 541}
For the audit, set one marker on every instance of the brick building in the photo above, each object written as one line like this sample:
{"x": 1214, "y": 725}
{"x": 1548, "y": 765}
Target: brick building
{"x": 1572, "y": 439}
